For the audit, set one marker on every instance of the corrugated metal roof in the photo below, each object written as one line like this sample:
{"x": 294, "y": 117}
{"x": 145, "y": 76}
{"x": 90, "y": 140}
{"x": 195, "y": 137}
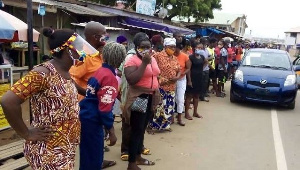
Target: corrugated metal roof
{"x": 219, "y": 18}
{"x": 106, "y": 27}
{"x": 293, "y": 30}
{"x": 74, "y": 8}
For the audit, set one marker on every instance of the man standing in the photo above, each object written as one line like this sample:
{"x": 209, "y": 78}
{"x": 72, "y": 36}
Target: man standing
{"x": 212, "y": 71}
{"x": 205, "y": 77}
{"x": 95, "y": 35}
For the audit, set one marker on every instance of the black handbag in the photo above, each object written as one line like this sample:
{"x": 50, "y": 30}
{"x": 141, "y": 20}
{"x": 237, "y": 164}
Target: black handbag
{"x": 141, "y": 103}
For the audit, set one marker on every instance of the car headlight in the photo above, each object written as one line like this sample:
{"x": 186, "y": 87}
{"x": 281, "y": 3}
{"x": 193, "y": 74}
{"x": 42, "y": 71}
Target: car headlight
{"x": 239, "y": 75}
{"x": 290, "y": 80}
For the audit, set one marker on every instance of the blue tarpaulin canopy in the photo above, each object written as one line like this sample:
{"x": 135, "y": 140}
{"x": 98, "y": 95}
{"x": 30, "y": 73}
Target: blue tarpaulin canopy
{"x": 154, "y": 26}
{"x": 208, "y": 31}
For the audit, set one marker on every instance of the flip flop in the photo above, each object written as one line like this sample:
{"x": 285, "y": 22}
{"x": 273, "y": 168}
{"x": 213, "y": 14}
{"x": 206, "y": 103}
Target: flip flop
{"x": 146, "y": 151}
{"x": 124, "y": 156}
{"x": 107, "y": 164}
{"x": 188, "y": 118}
{"x": 146, "y": 162}
{"x": 181, "y": 123}
{"x": 106, "y": 149}
{"x": 197, "y": 116}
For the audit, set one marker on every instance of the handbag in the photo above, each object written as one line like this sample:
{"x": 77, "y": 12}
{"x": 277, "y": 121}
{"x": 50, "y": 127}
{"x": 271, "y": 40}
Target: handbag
{"x": 140, "y": 105}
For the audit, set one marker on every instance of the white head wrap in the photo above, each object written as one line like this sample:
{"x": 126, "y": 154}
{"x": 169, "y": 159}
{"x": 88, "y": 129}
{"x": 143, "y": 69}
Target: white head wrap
{"x": 169, "y": 41}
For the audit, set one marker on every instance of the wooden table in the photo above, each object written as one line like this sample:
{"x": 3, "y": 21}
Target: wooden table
{"x": 21, "y": 54}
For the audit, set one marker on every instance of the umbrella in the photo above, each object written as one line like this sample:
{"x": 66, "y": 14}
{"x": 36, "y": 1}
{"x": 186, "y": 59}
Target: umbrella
{"x": 13, "y": 29}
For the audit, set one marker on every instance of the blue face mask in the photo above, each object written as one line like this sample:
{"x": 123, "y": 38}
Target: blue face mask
{"x": 199, "y": 52}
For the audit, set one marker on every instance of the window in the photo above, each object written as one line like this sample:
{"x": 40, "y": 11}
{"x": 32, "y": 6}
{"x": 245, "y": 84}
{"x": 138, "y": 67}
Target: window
{"x": 293, "y": 34}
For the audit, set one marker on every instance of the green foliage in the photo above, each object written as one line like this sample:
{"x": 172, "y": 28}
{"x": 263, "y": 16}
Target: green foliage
{"x": 199, "y": 9}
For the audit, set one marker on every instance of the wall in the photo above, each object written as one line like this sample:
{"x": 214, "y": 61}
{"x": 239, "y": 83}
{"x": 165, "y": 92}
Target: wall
{"x": 236, "y": 25}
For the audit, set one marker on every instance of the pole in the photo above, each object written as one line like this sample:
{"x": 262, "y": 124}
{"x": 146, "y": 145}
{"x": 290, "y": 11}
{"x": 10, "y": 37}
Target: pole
{"x": 30, "y": 42}
{"x": 30, "y": 33}
{"x": 43, "y": 45}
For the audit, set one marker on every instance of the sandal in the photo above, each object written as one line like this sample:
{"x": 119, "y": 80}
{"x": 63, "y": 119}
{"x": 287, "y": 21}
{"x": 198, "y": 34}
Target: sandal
{"x": 124, "y": 156}
{"x": 107, "y": 164}
{"x": 146, "y": 151}
{"x": 106, "y": 149}
{"x": 197, "y": 116}
{"x": 220, "y": 95}
{"x": 145, "y": 162}
{"x": 181, "y": 123}
{"x": 188, "y": 117}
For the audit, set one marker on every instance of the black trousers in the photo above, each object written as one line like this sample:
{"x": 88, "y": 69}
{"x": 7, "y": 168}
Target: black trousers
{"x": 138, "y": 124}
{"x": 205, "y": 83}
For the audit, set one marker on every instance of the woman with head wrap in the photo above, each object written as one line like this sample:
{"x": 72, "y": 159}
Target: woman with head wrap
{"x": 158, "y": 43}
{"x": 141, "y": 71}
{"x": 170, "y": 73}
{"x": 123, "y": 40}
{"x": 51, "y": 141}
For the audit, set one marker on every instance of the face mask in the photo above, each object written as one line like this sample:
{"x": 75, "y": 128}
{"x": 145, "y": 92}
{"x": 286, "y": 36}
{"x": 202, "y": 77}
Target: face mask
{"x": 142, "y": 52}
{"x": 82, "y": 55}
{"x": 170, "y": 51}
{"x": 199, "y": 52}
{"x": 160, "y": 47}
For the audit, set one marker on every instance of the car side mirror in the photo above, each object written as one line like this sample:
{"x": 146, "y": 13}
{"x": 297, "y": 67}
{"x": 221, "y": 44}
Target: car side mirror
{"x": 297, "y": 68}
{"x": 235, "y": 63}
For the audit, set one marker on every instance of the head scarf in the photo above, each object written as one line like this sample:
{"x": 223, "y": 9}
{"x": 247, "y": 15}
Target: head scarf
{"x": 121, "y": 39}
{"x": 169, "y": 41}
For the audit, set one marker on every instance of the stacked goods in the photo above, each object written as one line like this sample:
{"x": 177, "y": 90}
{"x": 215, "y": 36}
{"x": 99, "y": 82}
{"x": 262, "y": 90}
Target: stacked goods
{"x": 3, "y": 122}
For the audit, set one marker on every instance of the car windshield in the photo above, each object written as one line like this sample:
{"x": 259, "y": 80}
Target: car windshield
{"x": 268, "y": 59}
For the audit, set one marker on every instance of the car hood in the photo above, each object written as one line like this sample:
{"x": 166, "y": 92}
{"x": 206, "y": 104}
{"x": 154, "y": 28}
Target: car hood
{"x": 265, "y": 72}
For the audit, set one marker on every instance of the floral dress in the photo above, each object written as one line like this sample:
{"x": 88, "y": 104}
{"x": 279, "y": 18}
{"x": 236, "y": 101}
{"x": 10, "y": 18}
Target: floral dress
{"x": 169, "y": 67}
{"x": 54, "y": 103}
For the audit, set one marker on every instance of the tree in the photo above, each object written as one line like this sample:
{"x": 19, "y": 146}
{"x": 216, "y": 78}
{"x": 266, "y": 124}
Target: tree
{"x": 201, "y": 10}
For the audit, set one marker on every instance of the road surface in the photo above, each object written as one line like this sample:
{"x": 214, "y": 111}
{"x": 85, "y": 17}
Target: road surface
{"x": 243, "y": 136}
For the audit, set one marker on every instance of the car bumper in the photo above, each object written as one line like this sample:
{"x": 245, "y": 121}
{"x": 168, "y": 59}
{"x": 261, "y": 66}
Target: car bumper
{"x": 273, "y": 95}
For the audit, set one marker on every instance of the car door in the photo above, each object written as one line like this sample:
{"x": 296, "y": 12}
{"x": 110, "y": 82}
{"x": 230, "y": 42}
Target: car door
{"x": 296, "y": 62}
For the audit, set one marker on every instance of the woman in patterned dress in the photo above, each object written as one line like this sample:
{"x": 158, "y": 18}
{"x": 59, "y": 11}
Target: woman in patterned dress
{"x": 51, "y": 141}
{"x": 170, "y": 73}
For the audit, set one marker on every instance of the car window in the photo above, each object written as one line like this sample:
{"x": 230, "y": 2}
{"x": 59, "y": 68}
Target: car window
{"x": 297, "y": 62}
{"x": 267, "y": 59}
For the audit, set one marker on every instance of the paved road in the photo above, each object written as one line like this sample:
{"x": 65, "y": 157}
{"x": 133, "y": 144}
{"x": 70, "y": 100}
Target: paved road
{"x": 230, "y": 137}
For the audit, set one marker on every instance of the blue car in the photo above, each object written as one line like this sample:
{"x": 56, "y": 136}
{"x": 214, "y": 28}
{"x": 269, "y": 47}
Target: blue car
{"x": 265, "y": 75}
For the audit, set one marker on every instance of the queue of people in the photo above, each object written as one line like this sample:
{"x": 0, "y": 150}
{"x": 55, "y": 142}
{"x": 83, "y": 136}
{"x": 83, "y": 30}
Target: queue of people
{"x": 74, "y": 94}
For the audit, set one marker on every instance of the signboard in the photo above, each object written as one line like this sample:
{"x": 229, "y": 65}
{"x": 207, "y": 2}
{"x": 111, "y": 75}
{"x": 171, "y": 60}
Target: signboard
{"x": 146, "y": 7}
{"x": 3, "y": 122}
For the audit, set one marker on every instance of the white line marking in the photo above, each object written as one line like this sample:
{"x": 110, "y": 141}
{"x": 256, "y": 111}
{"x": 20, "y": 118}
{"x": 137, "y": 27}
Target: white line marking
{"x": 280, "y": 156}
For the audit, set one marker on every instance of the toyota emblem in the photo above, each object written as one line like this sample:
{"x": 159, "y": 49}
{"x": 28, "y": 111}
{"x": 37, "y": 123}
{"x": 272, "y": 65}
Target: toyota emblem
{"x": 263, "y": 82}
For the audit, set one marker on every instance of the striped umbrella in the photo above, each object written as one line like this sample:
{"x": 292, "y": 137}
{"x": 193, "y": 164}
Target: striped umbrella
{"x": 13, "y": 29}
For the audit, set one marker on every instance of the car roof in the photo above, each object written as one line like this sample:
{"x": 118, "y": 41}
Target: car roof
{"x": 267, "y": 50}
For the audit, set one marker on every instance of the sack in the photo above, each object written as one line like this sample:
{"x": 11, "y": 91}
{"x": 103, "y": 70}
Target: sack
{"x": 140, "y": 105}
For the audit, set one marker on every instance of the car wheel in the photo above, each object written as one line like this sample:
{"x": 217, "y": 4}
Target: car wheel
{"x": 291, "y": 105}
{"x": 232, "y": 98}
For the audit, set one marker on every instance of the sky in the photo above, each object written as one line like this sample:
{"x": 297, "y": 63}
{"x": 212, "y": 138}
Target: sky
{"x": 266, "y": 18}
